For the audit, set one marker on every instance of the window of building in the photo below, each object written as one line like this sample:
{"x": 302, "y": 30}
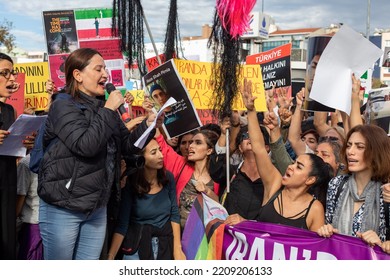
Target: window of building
{"x": 269, "y": 45}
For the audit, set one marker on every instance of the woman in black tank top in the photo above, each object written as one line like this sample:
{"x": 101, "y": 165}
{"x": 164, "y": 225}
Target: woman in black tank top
{"x": 286, "y": 199}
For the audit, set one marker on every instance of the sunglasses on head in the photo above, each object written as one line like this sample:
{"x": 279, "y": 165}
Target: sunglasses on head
{"x": 328, "y": 138}
{"x": 245, "y": 136}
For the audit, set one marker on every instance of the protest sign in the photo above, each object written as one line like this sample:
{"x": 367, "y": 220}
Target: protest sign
{"x": 82, "y": 28}
{"x": 205, "y": 236}
{"x": 251, "y": 240}
{"x": 60, "y": 31}
{"x": 153, "y": 62}
{"x": 315, "y": 47}
{"x": 17, "y": 98}
{"x": 164, "y": 82}
{"x": 275, "y": 66}
{"x": 36, "y": 75}
{"x": 386, "y": 57}
{"x": 378, "y": 108}
{"x": 347, "y": 53}
{"x": 197, "y": 79}
{"x": 93, "y": 23}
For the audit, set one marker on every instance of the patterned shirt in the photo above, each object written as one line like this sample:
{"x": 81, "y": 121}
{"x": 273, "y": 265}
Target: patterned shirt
{"x": 331, "y": 204}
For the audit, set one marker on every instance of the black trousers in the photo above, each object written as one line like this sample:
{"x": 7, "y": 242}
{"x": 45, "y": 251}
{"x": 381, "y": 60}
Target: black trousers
{"x": 8, "y": 223}
{"x": 7, "y": 208}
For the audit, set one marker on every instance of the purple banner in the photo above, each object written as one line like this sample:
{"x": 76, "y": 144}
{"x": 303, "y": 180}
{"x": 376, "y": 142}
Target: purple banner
{"x": 264, "y": 241}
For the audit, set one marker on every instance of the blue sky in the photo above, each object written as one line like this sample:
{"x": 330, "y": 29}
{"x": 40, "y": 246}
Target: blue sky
{"x": 26, "y": 16}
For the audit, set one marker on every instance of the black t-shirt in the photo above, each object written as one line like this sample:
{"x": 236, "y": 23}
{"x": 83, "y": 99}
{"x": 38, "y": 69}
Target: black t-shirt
{"x": 245, "y": 197}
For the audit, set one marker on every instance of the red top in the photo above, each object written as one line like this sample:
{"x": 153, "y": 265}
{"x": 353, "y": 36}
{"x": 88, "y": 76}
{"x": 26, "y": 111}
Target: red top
{"x": 179, "y": 167}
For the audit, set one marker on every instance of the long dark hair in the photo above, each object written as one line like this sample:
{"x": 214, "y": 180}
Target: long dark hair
{"x": 376, "y": 153}
{"x": 137, "y": 179}
{"x": 323, "y": 173}
{"x": 211, "y": 138}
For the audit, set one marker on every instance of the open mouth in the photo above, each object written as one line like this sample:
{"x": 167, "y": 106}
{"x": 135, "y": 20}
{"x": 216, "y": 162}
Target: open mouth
{"x": 352, "y": 161}
{"x": 287, "y": 175}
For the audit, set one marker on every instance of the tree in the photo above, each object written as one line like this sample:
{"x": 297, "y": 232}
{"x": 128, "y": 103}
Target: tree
{"x": 6, "y": 38}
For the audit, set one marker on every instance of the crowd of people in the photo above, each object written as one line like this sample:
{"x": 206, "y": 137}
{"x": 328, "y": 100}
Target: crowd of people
{"x": 95, "y": 195}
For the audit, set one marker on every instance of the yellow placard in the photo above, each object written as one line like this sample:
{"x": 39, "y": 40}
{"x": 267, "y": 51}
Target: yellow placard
{"x": 37, "y": 73}
{"x": 196, "y": 77}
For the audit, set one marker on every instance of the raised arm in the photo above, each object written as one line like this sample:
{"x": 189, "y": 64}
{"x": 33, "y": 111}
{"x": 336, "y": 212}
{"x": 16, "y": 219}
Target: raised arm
{"x": 279, "y": 154}
{"x": 294, "y": 133}
{"x": 269, "y": 174}
{"x": 355, "y": 116}
{"x": 320, "y": 122}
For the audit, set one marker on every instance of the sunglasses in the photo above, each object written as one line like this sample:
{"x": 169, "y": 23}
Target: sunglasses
{"x": 6, "y": 73}
{"x": 245, "y": 136}
{"x": 328, "y": 139}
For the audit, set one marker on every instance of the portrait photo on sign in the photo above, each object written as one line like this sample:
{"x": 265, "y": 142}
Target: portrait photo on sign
{"x": 386, "y": 57}
{"x": 315, "y": 47}
{"x": 378, "y": 108}
{"x": 163, "y": 83}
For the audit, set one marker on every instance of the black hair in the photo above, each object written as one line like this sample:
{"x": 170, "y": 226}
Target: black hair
{"x": 211, "y": 138}
{"x": 244, "y": 129}
{"x": 213, "y": 127}
{"x": 137, "y": 179}
{"x": 3, "y": 56}
{"x": 323, "y": 173}
{"x": 192, "y": 132}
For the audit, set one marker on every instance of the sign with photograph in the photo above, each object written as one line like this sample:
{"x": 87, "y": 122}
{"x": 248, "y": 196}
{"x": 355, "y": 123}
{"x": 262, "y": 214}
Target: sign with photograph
{"x": 378, "y": 108}
{"x": 164, "y": 82}
{"x": 60, "y": 30}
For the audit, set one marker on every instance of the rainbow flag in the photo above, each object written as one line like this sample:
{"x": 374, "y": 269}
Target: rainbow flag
{"x": 204, "y": 230}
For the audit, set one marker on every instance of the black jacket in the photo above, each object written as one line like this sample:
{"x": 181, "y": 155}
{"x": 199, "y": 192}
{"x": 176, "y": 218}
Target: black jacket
{"x": 74, "y": 170}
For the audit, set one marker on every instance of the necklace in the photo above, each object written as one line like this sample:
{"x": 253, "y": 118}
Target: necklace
{"x": 200, "y": 174}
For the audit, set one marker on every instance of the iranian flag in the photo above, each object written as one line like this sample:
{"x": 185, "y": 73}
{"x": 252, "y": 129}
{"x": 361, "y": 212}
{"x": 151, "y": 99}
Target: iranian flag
{"x": 93, "y": 23}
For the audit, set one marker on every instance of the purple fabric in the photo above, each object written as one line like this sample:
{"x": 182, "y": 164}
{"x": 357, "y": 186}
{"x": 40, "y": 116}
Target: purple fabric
{"x": 30, "y": 243}
{"x": 265, "y": 241}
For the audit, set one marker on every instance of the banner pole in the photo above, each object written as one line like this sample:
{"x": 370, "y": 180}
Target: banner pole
{"x": 151, "y": 38}
{"x": 227, "y": 160}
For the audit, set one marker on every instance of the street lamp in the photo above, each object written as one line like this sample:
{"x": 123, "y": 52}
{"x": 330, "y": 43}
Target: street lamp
{"x": 368, "y": 19}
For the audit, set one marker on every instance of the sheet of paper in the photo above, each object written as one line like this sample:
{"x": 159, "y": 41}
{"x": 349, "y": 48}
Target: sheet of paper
{"x": 347, "y": 52}
{"x": 141, "y": 141}
{"x": 24, "y": 126}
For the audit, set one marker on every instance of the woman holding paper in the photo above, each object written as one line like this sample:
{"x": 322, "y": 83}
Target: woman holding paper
{"x": 8, "y": 172}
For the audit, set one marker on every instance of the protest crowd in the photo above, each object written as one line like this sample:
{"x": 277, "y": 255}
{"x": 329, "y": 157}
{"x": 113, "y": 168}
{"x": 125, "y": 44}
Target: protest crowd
{"x": 95, "y": 186}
